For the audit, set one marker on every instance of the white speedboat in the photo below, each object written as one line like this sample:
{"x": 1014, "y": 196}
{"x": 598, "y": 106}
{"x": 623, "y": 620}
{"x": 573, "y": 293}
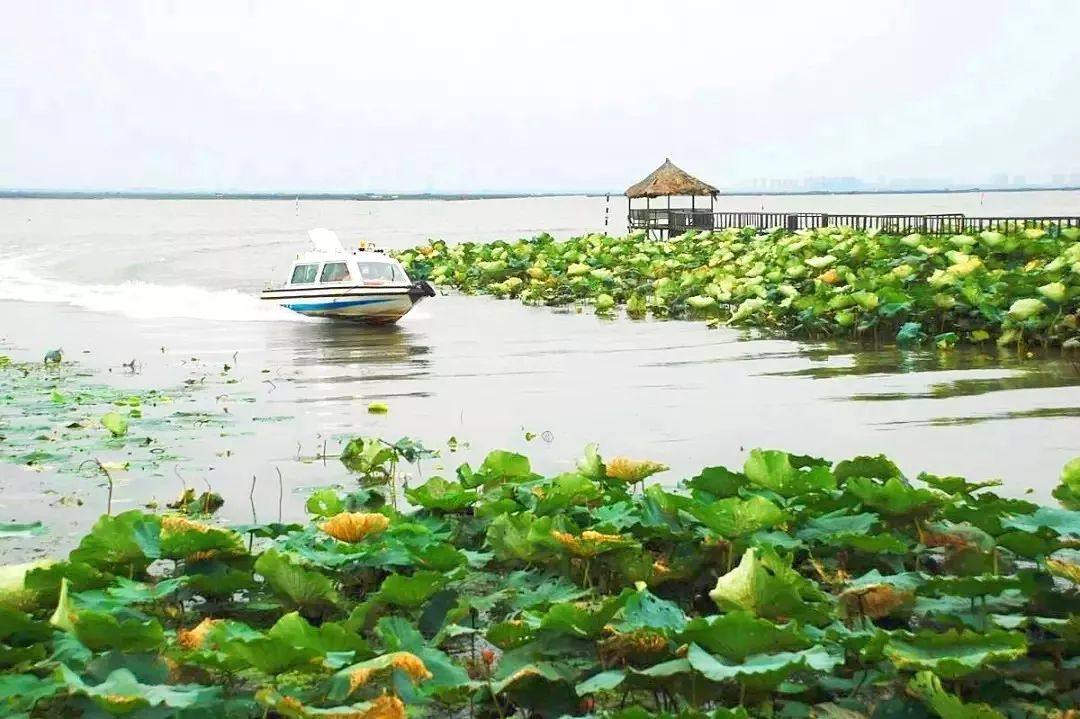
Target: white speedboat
{"x": 364, "y": 285}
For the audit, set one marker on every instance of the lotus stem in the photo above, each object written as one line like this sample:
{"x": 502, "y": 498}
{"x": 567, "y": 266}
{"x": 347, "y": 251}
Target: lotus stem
{"x": 280, "y": 494}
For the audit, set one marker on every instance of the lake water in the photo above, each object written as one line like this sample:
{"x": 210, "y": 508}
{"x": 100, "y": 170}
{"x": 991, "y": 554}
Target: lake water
{"x": 172, "y": 285}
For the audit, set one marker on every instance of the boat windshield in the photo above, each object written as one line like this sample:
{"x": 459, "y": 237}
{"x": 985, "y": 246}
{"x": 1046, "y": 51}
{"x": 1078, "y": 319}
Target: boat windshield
{"x": 335, "y": 272}
{"x": 379, "y": 272}
{"x": 304, "y": 274}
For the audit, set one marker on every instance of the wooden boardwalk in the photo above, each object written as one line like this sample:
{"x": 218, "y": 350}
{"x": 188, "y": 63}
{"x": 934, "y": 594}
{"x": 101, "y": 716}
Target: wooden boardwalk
{"x": 676, "y": 221}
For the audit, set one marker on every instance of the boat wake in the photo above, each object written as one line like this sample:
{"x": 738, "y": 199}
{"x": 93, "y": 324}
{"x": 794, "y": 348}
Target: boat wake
{"x": 139, "y": 300}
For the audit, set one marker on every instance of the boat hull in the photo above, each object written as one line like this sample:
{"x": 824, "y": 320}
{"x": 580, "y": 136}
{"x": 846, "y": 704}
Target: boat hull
{"x": 353, "y": 304}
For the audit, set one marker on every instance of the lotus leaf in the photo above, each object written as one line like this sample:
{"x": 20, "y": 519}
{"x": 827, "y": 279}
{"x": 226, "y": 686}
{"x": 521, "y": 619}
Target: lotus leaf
{"x": 734, "y": 517}
{"x": 767, "y": 588}
{"x": 763, "y": 670}
{"x": 303, "y": 588}
{"x": 953, "y": 653}
{"x": 774, "y": 470}
{"x": 893, "y": 497}
{"x": 1068, "y": 491}
{"x": 927, "y": 687}
{"x": 116, "y": 423}
{"x": 122, "y": 693}
{"x": 740, "y": 634}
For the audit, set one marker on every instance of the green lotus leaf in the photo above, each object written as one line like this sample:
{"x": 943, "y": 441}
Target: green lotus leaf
{"x": 566, "y": 490}
{"x": 773, "y": 470}
{"x": 762, "y": 670}
{"x": 601, "y": 682}
{"x": 615, "y": 516}
{"x": 734, "y": 517}
{"x": 953, "y": 654}
{"x": 716, "y": 483}
{"x": 591, "y": 465}
{"x": 537, "y": 591}
{"x": 893, "y": 497}
{"x": 927, "y": 687}
{"x": 350, "y": 679}
{"x": 116, "y": 423}
{"x": 125, "y": 543}
{"x": 122, "y": 693}
{"x": 216, "y": 579}
{"x": 500, "y": 465}
{"x": 124, "y": 593}
{"x": 182, "y": 540}
{"x": 442, "y": 495}
{"x": 1068, "y": 491}
{"x": 271, "y": 703}
{"x": 879, "y": 467}
{"x": 269, "y": 655}
{"x": 839, "y": 522}
{"x": 411, "y": 591}
{"x": 366, "y": 455}
{"x": 979, "y": 586}
{"x": 325, "y": 503}
{"x": 956, "y": 485}
{"x": 10, "y": 530}
{"x": 101, "y": 630}
{"x": 20, "y": 693}
{"x": 510, "y": 634}
{"x": 549, "y": 672}
{"x": 1026, "y": 308}
{"x": 398, "y": 635}
{"x": 16, "y": 627}
{"x": 579, "y": 620}
{"x": 1064, "y": 522}
{"x": 516, "y": 536}
{"x": 765, "y": 586}
{"x": 21, "y": 586}
{"x": 644, "y": 610}
{"x": 740, "y": 634}
{"x": 327, "y": 637}
{"x": 305, "y": 589}
{"x": 663, "y": 670}
{"x": 441, "y": 557}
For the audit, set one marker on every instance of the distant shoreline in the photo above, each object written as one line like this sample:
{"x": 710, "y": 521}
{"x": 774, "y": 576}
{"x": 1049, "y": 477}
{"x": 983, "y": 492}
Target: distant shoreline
{"x": 451, "y": 197}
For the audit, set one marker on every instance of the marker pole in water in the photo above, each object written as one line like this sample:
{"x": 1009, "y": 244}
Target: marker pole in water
{"x": 607, "y": 207}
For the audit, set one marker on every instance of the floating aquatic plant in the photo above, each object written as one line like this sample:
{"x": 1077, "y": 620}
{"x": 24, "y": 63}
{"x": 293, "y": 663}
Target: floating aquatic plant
{"x": 793, "y": 586}
{"x": 828, "y": 282}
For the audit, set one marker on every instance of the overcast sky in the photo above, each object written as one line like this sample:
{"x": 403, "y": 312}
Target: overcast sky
{"x": 552, "y": 95}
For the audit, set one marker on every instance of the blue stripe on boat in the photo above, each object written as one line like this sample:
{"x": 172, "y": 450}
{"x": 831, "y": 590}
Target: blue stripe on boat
{"x": 336, "y": 305}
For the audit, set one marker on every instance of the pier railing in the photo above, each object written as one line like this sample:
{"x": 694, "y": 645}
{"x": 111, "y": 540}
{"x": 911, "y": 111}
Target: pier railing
{"x": 677, "y": 221}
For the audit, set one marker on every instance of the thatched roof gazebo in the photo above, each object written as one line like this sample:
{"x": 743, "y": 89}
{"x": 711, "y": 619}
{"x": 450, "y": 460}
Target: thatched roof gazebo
{"x": 666, "y": 181}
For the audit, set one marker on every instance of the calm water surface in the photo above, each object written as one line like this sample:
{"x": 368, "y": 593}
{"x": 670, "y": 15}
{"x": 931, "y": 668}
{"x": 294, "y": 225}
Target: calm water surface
{"x": 172, "y": 284}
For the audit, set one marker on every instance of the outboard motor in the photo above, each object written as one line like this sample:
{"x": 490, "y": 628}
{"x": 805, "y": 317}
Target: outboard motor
{"x": 420, "y": 290}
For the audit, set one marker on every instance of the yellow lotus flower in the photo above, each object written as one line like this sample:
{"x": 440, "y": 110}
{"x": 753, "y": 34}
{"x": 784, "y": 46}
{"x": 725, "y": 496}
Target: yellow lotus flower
{"x": 359, "y": 677}
{"x": 201, "y": 556}
{"x": 633, "y": 470}
{"x": 195, "y": 637}
{"x": 123, "y": 700}
{"x": 354, "y": 526}
{"x": 411, "y": 665}
{"x": 1064, "y": 569}
{"x": 590, "y": 543}
{"x": 173, "y": 523}
{"x": 875, "y": 601}
{"x": 387, "y": 706}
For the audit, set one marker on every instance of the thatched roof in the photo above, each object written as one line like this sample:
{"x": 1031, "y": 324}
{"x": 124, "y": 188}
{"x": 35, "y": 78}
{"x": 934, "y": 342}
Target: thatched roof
{"x": 669, "y": 180}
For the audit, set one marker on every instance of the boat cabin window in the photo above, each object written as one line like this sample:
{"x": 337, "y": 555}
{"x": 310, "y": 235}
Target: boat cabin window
{"x": 304, "y": 274}
{"x": 335, "y": 272}
{"x": 379, "y": 271}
